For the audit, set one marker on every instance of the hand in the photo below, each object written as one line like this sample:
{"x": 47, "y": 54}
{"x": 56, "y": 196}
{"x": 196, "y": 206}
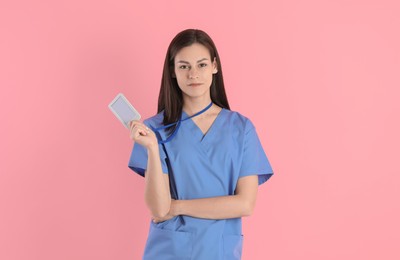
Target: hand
{"x": 141, "y": 134}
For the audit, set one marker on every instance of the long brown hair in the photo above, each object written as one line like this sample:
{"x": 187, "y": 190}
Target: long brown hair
{"x": 170, "y": 97}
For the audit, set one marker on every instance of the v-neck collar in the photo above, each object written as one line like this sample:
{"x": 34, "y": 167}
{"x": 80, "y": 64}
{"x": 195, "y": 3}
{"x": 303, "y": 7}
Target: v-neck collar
{"x": 196, "y": 129}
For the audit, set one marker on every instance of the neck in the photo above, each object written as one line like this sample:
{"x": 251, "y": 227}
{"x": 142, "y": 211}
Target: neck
{"x": 194, "y": 105}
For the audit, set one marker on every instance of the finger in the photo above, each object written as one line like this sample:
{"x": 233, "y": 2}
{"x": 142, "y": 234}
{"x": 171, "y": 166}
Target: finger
{"x": 140, "y": 125}
{"x": 139, "y": 129}
{"x": 145, "y": 129}
{"x": 143, "y": 132}
{"x": 133, "y": 122}
{"x": 137, "y": 122}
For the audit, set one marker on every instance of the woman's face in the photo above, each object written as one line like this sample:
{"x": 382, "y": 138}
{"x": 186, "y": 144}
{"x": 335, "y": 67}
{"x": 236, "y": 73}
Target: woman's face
{"x": 193, "y": 70}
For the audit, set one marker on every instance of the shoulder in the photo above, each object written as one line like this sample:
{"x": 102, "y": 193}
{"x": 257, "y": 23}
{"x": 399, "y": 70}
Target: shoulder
{"x": 240, "y": 120}
{"x": 155, "y": 120}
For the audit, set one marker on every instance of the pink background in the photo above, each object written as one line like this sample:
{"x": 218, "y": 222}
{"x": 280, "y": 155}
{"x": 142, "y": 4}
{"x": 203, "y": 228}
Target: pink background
{"x": 320, "y": 80}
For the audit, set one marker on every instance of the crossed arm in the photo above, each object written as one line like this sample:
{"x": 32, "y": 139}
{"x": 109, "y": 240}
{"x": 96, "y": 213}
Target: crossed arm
{"x": 157, "y": 196}
{"x": 240, "y": 204}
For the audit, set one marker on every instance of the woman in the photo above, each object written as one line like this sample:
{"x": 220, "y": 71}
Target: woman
{"x": 216, "y": 157}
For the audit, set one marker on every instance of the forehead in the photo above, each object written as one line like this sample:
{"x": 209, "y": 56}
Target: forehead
{"x": 193, "y": 53}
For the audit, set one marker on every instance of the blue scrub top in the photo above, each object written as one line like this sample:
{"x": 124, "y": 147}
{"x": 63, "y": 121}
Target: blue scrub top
{"x": 204, "y": 166}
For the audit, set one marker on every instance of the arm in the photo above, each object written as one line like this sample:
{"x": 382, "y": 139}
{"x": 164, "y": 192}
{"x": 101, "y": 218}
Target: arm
{"x": 157, "y": 194}
{"x": 222, "y": 207}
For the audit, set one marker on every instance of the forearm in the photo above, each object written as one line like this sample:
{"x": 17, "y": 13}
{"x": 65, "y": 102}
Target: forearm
{"x": 156, "y": 195}
{"x": 222, "y": 207}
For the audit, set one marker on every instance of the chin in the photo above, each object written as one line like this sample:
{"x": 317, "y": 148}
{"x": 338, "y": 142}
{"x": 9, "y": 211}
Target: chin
{"x": 196, "y": 92}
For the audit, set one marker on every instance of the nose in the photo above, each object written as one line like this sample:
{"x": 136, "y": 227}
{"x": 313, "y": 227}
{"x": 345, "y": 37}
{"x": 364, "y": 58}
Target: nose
{"x": 193, "y": 73}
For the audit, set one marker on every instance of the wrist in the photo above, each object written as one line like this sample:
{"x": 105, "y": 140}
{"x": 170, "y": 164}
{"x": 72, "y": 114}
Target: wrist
{"x": 177, "y": 207}
{"x": 153, "y": 148}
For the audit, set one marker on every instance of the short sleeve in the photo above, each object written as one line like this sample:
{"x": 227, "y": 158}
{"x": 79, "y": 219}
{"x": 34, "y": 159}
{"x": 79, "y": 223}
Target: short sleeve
{"x": 138, "y": 158}
{"x": 254, "y": 160}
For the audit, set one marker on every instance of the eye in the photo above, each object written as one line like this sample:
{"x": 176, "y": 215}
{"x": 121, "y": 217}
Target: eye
{"x": 203, "y": 64}
{"x": 183, "y": 67}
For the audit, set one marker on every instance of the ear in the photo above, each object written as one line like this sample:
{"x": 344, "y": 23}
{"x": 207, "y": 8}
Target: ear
{"x": 215, "y": 66}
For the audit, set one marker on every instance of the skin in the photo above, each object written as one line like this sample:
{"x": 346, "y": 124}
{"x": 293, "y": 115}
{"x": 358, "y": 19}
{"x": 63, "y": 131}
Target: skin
{"x": 193, "y": 64}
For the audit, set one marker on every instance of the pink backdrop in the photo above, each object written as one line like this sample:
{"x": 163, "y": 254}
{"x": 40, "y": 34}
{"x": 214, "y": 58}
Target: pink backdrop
{"x": 320, "y": 80}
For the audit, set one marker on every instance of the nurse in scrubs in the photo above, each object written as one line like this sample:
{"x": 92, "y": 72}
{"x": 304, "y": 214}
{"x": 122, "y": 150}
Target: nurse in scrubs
{"x": 216, "y": 158}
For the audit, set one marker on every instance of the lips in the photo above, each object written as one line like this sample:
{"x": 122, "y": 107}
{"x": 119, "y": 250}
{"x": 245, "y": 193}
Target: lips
{"x": 195, "y": 84}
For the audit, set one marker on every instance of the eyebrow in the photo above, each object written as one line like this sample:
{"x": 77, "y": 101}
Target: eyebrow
{"x": 183, "y": 61}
